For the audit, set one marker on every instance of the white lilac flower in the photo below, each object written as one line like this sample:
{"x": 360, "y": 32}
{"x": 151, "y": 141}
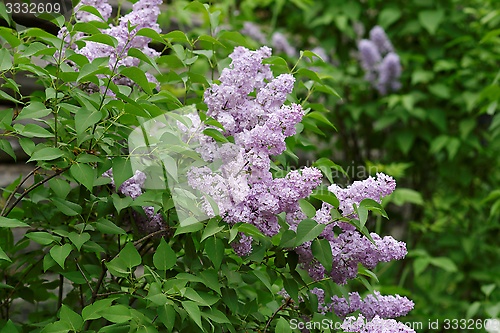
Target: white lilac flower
{"x": 376, "y": 325}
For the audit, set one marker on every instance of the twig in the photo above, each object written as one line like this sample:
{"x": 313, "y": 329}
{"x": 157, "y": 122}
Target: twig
{"x": 99, "y": 282}
{"x": 32, "y": 172}
{"x": 137, "y": 242}
{"x": 288, "y": 301}
{"x": 32, "y": 187}
{"x": 81, "y": 272}
{"x": 61, "y": 289}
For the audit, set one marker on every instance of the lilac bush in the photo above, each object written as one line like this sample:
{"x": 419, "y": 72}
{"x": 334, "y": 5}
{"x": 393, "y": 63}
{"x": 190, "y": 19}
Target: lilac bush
{"x": 110, "y": 236}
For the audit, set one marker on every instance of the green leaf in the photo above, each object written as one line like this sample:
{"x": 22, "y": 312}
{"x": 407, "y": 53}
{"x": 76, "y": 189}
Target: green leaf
{"x": 308, "y": 230}
{"x": 4, "y": 95}
{"x": 117, "y": 313}
{"x": 136, "y": 53}
{"x": 121, "y": 203}
{"x": 372, "y": 205}
{"x": 9, "y": 325}
{"x": 420, "y": 264}
{"x": 5, "y": 60}
{"x": 79, "y": 239}
{"x": 60, "y": 187}
{"x": 57, "y": 327}
{"x": 263, "y": 277}
{"x": 307, "y": 208}
{"x": 7, "y": 148}
{"x": 176, "y": 36}
{"x": 130, "y": 256}
{"x": 10, "y": 36}
{"x": 67, "y": 207}
{"x": 430, "y": 19}
{"x": 4, "y": 256}
{"x": 322, "y": 251}
{"x": 102, "y": 39}
{"x": 92, "y": 311}
{"x": 150, "y": 33}
{"x": 33, "y": 111}
{"x": 283, "y": 326}
{"x": 215, "y": 134}
{"x": 211, "y": 279}
{"x": 43, "y": 238}
{"x": 388, "y": 16}
{"x": 164, "y": 257}
{"x": 327, "y": 197}
{"x": 60, "y": 253}
{"x": 6, "y": 222}
{"x": 216, "y": 316}
{"x": 138, "y": 76}
{"x": 215, "y": 250}
{"x": 321, "y": 118}
{"x": 445, "y": 263}
{"x": 211, "y": 229}
{"x": 70, "y": 317}
{"x": 84, "y": 174}
{"x": 46, "y": 154}
{"x": 34, "y": 131}
{"x": 166, "y": 314}
{"x": 488, "y": 289}
{"x": 193, "y": 311}
{"x": 86, "y": 118}
{"x": 406, "y": 195}
{"x": 108, "y": 227}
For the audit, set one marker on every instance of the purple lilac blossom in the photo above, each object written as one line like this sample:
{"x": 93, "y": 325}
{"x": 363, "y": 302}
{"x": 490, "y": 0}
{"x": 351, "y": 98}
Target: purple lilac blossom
{"x": 350, "y": 247}
{"x": 253, "y": 31}
{"x": 391, "y": 306}
{"x": 378, "y": 36}
{"x": 381, "y": 64}
{"x": 389, "y": 73}
{"x": 370, "y": 58}
{"x": 376, "y": 325}
{"x": 249, "y": 103}
{"x": 370, "y": 188}
{"x": 144, "y": 14}
{"x": 280, "y": 44}
{"x": 149, "y": 221}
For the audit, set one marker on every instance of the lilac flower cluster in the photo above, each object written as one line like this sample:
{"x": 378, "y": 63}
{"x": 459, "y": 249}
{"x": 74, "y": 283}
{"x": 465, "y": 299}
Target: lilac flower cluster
{"x": 381, "y": 64}
{"x": 144, "y": 14}
{"x": 370, "y": 188}
{"x": 350, "y": 247}
{"x": 376, "y": 325}
{"x": 391, "y": 306}
{"x": 132, "y": 187}
{"x": 249, "y": 103}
